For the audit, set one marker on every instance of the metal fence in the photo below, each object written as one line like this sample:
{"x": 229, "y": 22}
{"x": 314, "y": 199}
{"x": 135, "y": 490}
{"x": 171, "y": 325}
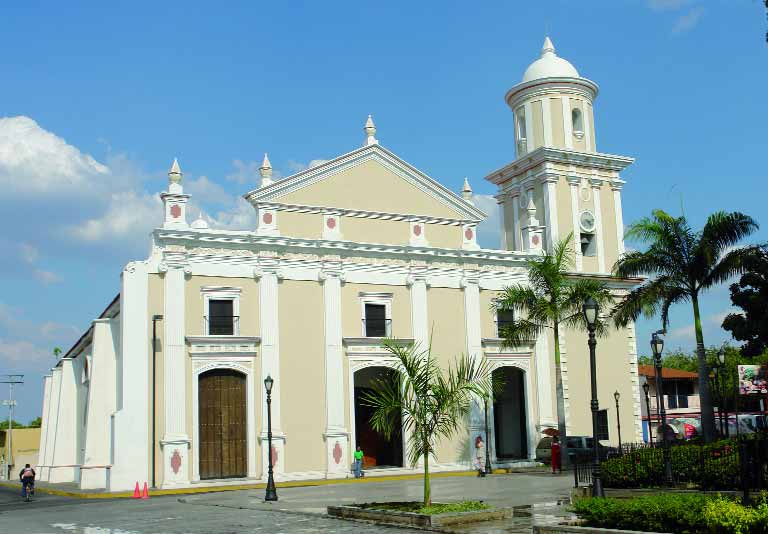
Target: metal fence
{"x": 739, "y": 465}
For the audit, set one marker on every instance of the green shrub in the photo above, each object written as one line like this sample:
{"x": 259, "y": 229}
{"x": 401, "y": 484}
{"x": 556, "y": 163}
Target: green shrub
{"x": 679, "y": 514}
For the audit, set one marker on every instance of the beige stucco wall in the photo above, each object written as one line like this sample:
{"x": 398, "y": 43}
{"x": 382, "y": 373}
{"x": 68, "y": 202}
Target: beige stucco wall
{"x": 375, "y": 231}
{"x": 556, "y": 117}
{"x": 295, "y": 224}
{"x": 592, "y": 134}
{"x": 608, "y": 215}
{"x": 302, "y": 372}
{"x": 369, "y": 186}
{"x": 352, "y": 309}
{"x": 537, "y": 123}
{"x": 579, "y": 145}
{"x": 487, "y": 315}
{"x": 445, "y": 309}
{"x": 444, "y": 236}
{"x": 195, "y": 304}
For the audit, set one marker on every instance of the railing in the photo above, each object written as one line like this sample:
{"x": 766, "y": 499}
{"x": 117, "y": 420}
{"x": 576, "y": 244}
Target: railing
{"x": 222, "y": 325}
{"x": 582, "y": 474}
{"x": 678, "y": 402}
{"x": 377, "y": 327}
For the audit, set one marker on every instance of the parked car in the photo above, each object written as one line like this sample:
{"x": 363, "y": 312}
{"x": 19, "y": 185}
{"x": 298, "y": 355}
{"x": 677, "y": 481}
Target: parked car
{"x": 579, "y": 448}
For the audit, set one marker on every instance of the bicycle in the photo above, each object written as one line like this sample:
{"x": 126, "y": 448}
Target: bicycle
{"x": 29, "y": 489}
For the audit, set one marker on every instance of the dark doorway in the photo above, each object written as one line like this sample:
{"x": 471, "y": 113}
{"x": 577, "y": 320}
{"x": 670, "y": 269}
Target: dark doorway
{"x": 222, "y": 424}
{"x": 510, "y": 424}
{"x": 377, "y": 450}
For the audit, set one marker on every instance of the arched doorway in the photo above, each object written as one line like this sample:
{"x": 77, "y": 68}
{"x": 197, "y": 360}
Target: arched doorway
{"x": 510, "y": 424}
{"x": 222, "y": 424}
{"x": 378, "y": 451}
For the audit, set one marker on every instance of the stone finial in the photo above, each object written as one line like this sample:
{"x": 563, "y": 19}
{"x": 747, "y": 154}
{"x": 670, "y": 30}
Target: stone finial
{"x": 265, "y": 171}
{"x": 548, "y": 47}
{"x": 174, "y": 177}
{"x": 466, "y": 191}
{"x": 531, "y": 209}
{"x": 370, "y": 132}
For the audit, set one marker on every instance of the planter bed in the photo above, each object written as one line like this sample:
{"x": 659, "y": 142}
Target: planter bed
{"x": 575, "y": 529}
{"x": 368, "y": 512}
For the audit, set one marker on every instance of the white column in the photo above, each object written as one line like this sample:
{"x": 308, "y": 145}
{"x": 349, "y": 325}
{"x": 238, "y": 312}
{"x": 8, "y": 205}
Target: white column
{"x": 268, "y": 275}
{"x": 567, "y": 126}
{"x": 550, "y": 211}
{"x": 336, "y": 435}
{"x": 419, "y": 319}
{"x": 65, "y": 440}
{"x": 545, "y": 383}
{"x": 573, "y": 183}
{"x": 530, "y": 128}
{"x": 175, "y": 440}
{"x": 470, "y": 285}
{"x": 517, "y": 239}
{"x": 45, "y": 419}
{"x": 130, "y": 446}
{"x": 635, "y": 380}
{"x": 586, "y": 117}
{"x": 618, "y": 217}
{"x": 546, "y": 116}
{"x": 503, "y": 242}
{"x": 598, "y": 226}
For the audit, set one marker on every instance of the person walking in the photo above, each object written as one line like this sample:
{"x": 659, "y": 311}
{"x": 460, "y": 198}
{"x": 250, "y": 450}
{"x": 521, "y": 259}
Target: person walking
{"x": 556, "y": 461}
{"x": 358, "y": 454}
{"x": 27, "y": 477}
{"x": 480, "y": 456}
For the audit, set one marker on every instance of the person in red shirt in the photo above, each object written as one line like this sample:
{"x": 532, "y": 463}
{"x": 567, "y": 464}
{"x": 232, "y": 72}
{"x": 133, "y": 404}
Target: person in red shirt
{"x": 556, "y": 464}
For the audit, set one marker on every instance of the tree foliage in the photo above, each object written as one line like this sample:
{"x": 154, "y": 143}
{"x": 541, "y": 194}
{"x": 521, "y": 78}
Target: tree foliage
{"x": 750, "y": 294}
{"x": 425, "y": 401}
{"x": 681, "y": 264}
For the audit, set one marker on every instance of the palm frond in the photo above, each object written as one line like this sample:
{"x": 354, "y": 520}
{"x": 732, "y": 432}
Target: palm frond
{"x": 733, "y": 263}
{"x": 723, "y": 230}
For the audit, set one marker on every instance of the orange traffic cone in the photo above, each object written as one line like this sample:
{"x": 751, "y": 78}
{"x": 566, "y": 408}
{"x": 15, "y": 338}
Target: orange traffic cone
{"x": 136, "y": 493}
{"x": 145, "y": 493}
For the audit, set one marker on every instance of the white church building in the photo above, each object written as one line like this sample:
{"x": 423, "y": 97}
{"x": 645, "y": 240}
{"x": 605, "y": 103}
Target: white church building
{"x": 166, "y": 385}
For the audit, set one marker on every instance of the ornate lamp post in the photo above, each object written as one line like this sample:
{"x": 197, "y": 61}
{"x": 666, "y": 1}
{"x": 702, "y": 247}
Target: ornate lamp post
{"x": 657, "y": 346}
{"x": 271, "y": 494}
{"x": 718, "y": 395}
{"x": 488, "y": 469}
{"x": 616, "y": 396}
{"x": 590, "y": 309}
{"x": 646, "y": 387}
{"x": 723, "y": 389}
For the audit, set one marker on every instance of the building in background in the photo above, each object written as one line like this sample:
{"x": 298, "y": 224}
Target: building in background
{"x": 167, "y": 384}
{"x": 25, "y": 443}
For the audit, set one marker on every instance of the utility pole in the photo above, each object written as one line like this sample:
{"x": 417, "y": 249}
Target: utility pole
{"x": 11, "y": 380}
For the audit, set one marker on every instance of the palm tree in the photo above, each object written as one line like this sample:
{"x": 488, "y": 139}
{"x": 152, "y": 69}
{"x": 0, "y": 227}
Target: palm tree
{"x": 681, "y": 264}
{"x": 551, "y": 300}
{"x": 430, "y": 402}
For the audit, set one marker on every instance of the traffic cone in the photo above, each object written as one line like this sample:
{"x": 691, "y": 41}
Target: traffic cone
{"x": 136, "y": 493}
{"x": 145, "y": 493}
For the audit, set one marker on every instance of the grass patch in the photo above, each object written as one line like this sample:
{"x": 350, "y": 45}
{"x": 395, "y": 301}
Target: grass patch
{"x": 433, "y": 509}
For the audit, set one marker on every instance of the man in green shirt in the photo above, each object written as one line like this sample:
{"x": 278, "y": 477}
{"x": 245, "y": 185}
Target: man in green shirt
{"x": 358, "y": 466}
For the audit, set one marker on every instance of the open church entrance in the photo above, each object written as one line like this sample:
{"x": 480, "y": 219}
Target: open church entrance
{"x": 377, "y": 450}
{"x": 509, "y": 415}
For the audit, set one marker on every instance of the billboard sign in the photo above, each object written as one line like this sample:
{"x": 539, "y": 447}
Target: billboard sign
{"x": 753, "y": 379}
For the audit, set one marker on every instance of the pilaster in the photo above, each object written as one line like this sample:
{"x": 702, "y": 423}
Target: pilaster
{"x": 545, "y": 383}
{"x": 64, "y": 443}
{"x": 516, "y": 236}
{"x": 417, "y": 281}
{"x": 550, "y": 210}
{"x": 175, "y": 440}
{"x": 268, "y": 274}
{"x": 595, "y": 183}
{"x": 573, "y": 185}
{"x": 336, "y": 434}
{"x": 618, "y": 215}
{"x": 470, "y": 286}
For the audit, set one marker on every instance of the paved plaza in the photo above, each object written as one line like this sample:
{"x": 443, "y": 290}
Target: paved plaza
{"x": 299, "y": 510}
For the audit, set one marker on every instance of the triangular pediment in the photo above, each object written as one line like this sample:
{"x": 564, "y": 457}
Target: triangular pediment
{"x": 372, "y": 179}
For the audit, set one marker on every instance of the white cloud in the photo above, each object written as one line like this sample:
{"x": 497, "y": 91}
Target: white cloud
{"x": 298, "y": 166}
{"x": 204, "y": 191}
{"x": 687, "y": 334}
{"x": 667, "y": 5}
{"x": 488, "y": 231}
{"x": 33, "y": 160}
{"x": 688, "y": 21}
{"x": 246, "y": 172}
{"x": 13, "y": 353}
{"x": 128, "y": 217}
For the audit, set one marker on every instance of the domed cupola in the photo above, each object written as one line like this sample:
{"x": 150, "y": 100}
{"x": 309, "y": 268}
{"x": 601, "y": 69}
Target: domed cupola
{"x": 553, "y": 105}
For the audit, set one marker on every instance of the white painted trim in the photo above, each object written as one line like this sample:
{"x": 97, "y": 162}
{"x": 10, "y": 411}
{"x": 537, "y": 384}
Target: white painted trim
{"x": 585, "y": 117}
{"x": 599, "y": 228}
{"x": 567, "y": 126}
{"x": 516, "y": 225}
{"x": 529, "y": 127}
{"x": 382, "y": 299}
{"x": 221, "y": 293}
{"x": 550, "y": 213}
{"x": 619, "y": 219}
{"x": 574, "y": 187}
{"x": 243, "y": 365}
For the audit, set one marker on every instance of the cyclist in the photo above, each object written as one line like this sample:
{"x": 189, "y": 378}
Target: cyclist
{"x": 27, "y": 477}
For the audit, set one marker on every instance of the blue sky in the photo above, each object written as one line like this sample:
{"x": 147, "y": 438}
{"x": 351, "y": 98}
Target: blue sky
{"x": 96, "y": 99}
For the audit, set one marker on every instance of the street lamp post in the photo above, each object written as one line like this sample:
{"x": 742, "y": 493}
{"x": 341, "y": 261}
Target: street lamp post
{"x": 488, "y": 469}
{"x": 271, "y": 494}
{"x": 718, "y": 396}
{"x": 723, "y": 378}
{"x": 646, "y": 387}
{"x": 657, "y": 346}
{"x": 590, "y": 309}
{"x": 616, "y": 396}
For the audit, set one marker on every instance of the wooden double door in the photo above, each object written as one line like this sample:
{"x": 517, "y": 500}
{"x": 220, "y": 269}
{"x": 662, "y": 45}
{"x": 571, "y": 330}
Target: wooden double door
{"x": 222, "y": 420}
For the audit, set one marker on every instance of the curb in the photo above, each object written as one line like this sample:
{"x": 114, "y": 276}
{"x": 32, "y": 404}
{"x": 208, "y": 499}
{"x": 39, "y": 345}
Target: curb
{"x": 239, "y": 487}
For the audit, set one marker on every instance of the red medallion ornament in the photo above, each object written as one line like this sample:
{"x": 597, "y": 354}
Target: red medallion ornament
{"x": 337, "y": 453}
{"x": 417, "y": 230}
{"x": 175, "y": 211}
{"x": 535, "y": 240}
{"x": 267, "y": 218}
{"x": 176, "y": 462}
{"x": 331, "y": 223}
{"x": 468, "y": 233}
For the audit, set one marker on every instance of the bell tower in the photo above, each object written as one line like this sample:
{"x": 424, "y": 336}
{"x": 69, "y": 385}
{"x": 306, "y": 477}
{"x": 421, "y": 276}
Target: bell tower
{"x": 558, "y": 177}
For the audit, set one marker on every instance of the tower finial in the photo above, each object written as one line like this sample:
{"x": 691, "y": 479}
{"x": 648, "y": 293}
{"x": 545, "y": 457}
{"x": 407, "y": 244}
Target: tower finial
{"x": 266, "y": 171}
{"x": 548, "y": 47}
{"x": 174, "y": 177}
{"x": 370, "y": 132}
{"x": 466, "y": 191}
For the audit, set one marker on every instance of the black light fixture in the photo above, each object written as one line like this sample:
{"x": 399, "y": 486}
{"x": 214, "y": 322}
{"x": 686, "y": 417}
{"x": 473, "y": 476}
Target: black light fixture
{"x": 646, "y": 388}
{"x": 723, "y": 390}
{"x": 488, "y": 468}
{"x": 590, "y": 310}
{"x": 657, "y": 346}
{"x": 271, "y": 494}
{"x": 715, "y": 383}
{"x": 617, "y": 396}
{"x": 721, "y": 356}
